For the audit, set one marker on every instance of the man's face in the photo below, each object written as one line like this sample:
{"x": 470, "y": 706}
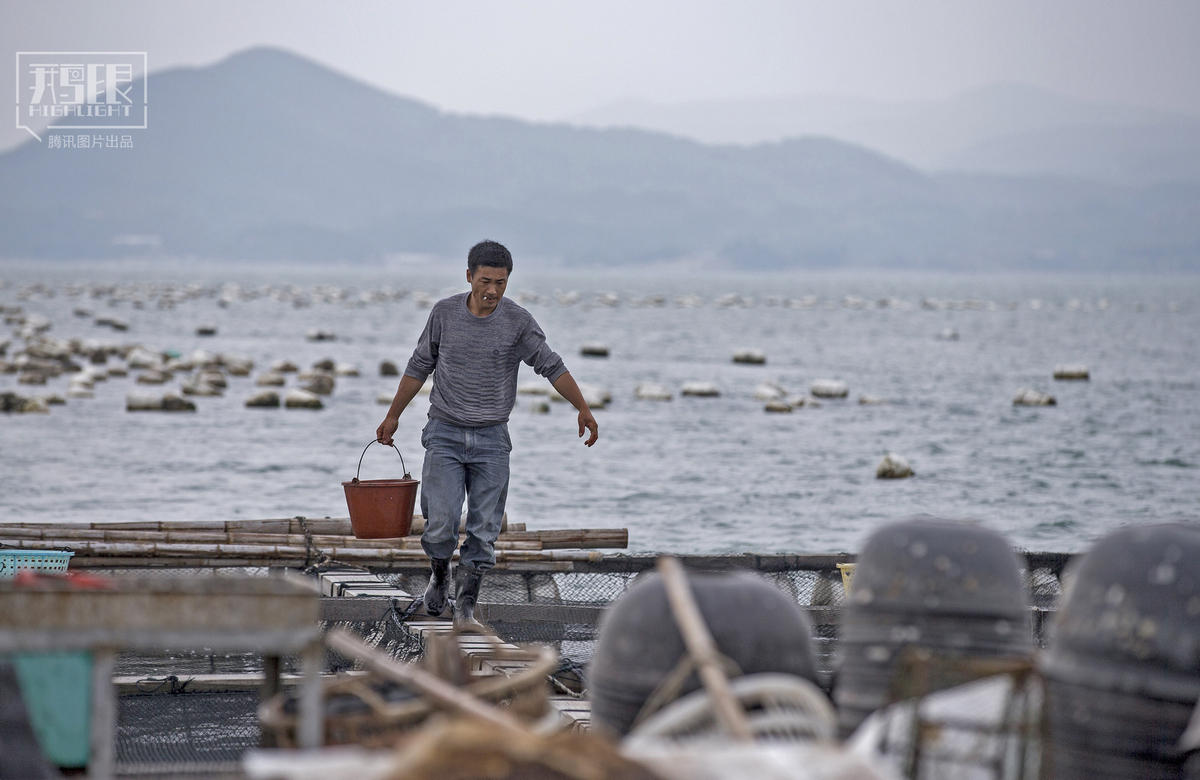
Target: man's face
{"x": 487, "y": 286}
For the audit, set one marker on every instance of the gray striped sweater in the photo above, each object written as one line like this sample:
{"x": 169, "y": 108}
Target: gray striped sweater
{"x": 476, "y": 360}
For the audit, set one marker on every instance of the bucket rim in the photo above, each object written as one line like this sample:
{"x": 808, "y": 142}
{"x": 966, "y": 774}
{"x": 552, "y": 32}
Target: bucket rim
{"x": 380, "y": 482}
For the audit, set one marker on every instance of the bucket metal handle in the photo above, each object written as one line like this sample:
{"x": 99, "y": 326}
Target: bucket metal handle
{"x": 364, "y": 452}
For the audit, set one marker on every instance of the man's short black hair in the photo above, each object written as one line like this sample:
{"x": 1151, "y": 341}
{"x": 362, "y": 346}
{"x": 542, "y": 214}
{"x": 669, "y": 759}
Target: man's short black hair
{"x": 491, "y": 254}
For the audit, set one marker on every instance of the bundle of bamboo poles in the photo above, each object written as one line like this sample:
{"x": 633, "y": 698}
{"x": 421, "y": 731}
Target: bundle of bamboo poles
{"x": 288, "y": 543}
{"x": 337, "y": 526}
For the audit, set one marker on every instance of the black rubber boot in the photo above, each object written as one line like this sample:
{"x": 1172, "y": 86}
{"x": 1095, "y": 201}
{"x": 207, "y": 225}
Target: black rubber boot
{"x": 467, "y": 595}
{"x": 435, "y": 591}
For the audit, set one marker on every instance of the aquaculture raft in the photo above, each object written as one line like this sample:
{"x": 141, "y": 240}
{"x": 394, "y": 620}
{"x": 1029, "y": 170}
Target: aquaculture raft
{"x": 549, "y": 586}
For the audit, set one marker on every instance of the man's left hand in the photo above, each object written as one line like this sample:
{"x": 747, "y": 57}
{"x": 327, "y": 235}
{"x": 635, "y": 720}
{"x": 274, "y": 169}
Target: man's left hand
{"x": 586, "y": 420}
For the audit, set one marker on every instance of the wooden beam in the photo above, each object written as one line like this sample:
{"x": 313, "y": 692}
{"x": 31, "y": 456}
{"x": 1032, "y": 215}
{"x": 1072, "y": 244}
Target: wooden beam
{"x": 413, "y": 676}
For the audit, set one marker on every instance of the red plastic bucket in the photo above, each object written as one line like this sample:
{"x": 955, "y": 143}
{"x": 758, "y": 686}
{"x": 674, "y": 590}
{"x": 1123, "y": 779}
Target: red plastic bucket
{"x": 381, "y": 508}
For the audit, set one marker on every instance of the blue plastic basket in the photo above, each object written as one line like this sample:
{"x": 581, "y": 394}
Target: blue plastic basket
{"x": 41, "y": 561}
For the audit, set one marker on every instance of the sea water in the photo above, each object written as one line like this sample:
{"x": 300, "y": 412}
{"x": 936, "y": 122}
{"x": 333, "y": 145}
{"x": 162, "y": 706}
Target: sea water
{"x": 945, "y": 354}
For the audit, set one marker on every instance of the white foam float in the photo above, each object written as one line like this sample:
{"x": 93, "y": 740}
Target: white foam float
{"x": 302, "y": 399}
{"x": 1028, "y": 397}
{"x": 829, "y": 388}
{"x": 1071, "y": 371}
{"x": 266, "y": 399}
{"x": 893, "y": 466}
{"x": 596, "y": 397}
{"x": 769, "y": 391}
{"x": 700, "y": 390}
{"x": 652, "y": 391}
{"x": 170, "y": 402}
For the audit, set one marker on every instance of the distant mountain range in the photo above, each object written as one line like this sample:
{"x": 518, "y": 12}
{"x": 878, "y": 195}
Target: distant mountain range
{"x": 270, "y": 156}
{"x": 1007, "y": 129}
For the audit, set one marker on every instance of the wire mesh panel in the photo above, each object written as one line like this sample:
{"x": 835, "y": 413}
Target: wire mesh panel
{"x": 200, "y": 730}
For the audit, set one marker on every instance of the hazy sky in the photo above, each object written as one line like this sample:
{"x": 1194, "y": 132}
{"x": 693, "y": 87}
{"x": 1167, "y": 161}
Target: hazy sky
{"x": 553, "y": 58}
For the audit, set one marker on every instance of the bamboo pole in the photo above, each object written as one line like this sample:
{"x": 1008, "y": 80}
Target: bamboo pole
{"x": 413, "y": 676}
{"x": 571, "y": 538}
{"x": 191, "y": 549}
{"x": 57, "y": 534}
{"x": 422, "y": 564}
{"x": 525, "y": 540}
{"x": 702, "y": 649}
{"x": 144, "y": 563}
{"x": 295, "y": 525}
{"x": 376, "y": 556}
{"x": 338, "y": 526}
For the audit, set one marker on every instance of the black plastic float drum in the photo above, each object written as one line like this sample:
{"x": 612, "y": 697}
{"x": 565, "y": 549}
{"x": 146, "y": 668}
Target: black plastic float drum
{"x": 1122, "y": 667}
{"x": 932, "y": 597}
{"x": 752, "y": 623}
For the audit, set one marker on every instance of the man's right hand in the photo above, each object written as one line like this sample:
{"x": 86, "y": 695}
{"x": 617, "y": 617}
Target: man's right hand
{"x": 383, "y": 434}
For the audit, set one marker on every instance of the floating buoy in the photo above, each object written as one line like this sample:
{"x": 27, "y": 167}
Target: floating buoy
{"x": 652, "y": 391}
{"x": 596, "y": 397}
{"x": 153, "y": 377}
{"x": 1074, "y": 371}
{"x": 11, "y": 402}
{"x": 140, "y": 357}
{"x": 1028, "y": 397}
{"x": 80, "y": 390}
{"x": 753, "y": 357}
{"x": 700, "y": 390}
{"x": 302, "y": 399}
{"x": 769, "y": 391}
{"x": 150, "y": 403}
{"x": 317, "y": 383}
{"x": 214, "y": 378}
{"x": 267, "y": 399}
{"x": 237, "y": 366}
{"x": 893, "y": 467}
{"x": 829, "y": 388}
{"x": 197, "y": 386}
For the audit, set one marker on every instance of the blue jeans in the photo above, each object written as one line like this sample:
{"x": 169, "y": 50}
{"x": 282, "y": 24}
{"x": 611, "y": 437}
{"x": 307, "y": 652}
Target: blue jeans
{"x": 471, "y": 463}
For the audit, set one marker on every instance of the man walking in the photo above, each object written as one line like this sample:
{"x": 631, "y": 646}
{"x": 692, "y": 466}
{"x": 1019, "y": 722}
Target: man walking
{"x": 476, "y": 341}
